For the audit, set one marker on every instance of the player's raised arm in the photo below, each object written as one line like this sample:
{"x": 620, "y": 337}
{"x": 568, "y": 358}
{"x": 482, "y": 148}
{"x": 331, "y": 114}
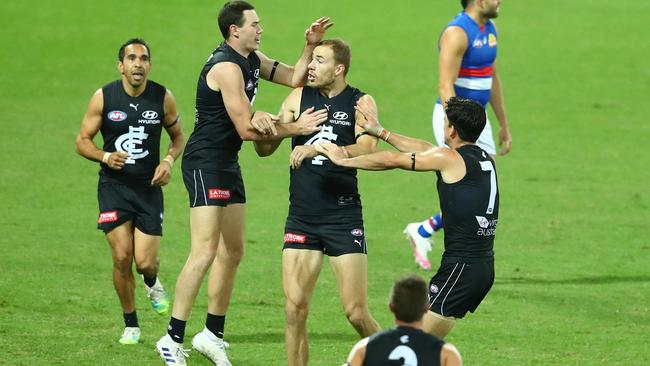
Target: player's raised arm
{"x": 90, "y": 125}
{"x": 295, "y": 76}
{"x": 172, "y": 125}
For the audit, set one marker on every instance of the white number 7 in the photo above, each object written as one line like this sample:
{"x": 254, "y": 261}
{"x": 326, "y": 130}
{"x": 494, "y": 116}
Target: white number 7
{"x": 487, "y": 166}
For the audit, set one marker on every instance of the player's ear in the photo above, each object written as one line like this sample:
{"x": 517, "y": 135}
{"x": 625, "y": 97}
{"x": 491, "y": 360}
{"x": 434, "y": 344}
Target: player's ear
{"x": 340, "y": 69}
{"x": 120, "y": 67}
{"x": 234, "y": 31}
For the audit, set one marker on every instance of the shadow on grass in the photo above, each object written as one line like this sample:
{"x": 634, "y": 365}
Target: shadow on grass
{"x": 594, "y": 280}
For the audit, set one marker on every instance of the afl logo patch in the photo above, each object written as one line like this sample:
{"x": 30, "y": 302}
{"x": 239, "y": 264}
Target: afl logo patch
{"x": 149, "y": 115}
{"x": 340, "y": 115}
{"x": 250, "y": 85}
{"x": 357, "y": 232}
{"x": 434, "y": 289}
{"x": 117, "y": 116}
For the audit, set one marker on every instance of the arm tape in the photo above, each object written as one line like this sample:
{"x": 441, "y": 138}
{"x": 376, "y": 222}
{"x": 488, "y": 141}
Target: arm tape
{"x": 275, "y": 66}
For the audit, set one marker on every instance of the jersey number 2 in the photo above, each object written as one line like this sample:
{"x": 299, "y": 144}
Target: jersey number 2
{"x": 487, "y": 166}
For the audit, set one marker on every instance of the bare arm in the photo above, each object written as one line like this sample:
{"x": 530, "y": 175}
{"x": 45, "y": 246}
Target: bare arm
{"x": 449, "y": 356}
{"x": 172, "y": 125}
{"x": 498, "y": 105}
{"x": 370, "y": 123}
{"x": 453, "y": 44}
{"x": 437, "y": 158}
{"x": 90, "y": 125}
{"x": 226, "y": 76}
{"x": 358, "y": 353}
{"x": 296, "y": 125}
{"x": 294, "y": 76}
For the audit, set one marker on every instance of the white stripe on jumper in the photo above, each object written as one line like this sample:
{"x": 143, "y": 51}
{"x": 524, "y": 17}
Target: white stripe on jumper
{"x": 474, "y": 83}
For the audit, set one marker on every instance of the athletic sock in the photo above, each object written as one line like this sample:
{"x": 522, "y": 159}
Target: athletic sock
{"x": 176, "y": 329}
{"x": 215, "y": 324}
{"x": 131, "y": 319}
{"x": 428, "y": 227}
{"x": 149, "y": 281}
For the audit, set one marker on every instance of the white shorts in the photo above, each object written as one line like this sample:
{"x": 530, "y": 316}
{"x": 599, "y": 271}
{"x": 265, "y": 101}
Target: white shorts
{"x": 485, "y": 140}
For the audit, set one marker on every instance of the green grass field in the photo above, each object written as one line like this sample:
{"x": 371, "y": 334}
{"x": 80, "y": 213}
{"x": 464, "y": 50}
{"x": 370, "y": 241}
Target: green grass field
{"x": 572, "y": 252}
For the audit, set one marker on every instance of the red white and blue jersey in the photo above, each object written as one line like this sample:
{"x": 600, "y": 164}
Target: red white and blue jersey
{"x": 474, "y": 80}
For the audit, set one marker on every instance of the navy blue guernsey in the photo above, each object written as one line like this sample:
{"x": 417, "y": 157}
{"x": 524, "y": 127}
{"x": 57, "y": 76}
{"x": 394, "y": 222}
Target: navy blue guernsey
{"x": 215, "y": 143}
{"x": 470, "y": 207}
{"x": 133, "y": 124}
{"x": 319, "y": 187}
{"x": 403, "y": 346}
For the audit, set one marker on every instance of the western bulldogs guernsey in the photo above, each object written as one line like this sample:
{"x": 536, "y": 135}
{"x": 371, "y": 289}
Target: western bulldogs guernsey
{"x": 319, "y": 187}
{"x": 132, "y": 124}
{"x": 214, "y": 143}
{"x": 403, "y": 346}
{"x": 470, "y": 207}
{"x": 475, "y": 77}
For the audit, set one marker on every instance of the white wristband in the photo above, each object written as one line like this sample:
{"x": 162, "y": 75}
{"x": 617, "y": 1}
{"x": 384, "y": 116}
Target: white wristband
{"x": 170, "y": 160}
{"x": 105, "y": 158}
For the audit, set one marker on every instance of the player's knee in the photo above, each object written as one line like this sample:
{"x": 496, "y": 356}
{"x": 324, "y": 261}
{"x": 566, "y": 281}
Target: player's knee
{"x": 233, "y": 254}
{"x": 122, "y": 262}
{"x": 201, "y": 257}
{"x": 296, "y": 312}
{"x": 148, "y": 266}
{"x": 357, "y": 314}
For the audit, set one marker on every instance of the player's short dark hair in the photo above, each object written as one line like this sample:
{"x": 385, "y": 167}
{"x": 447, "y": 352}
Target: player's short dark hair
{"x": 467, "y": 117}
{"x": 120, "y": 54}
{"x": 465, "y": 3}
{"x": 232, "y": 13}
{"x": 341, "y": 50}
{"x": 409, "y": 298}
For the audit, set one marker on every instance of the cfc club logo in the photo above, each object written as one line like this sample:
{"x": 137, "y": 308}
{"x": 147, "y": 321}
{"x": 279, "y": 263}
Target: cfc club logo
{"x": 218, "y": 194}
{"x": 149, "y": 115}
{"x": 250, "y": 85}
{"x": 357, "y": 232}
{"x": 295, "y": 238}
{"x": 340, "y": 115}
{"x": 110, "y": 216}
{"x": 434, "y": 289}
{"x": 130, "y": 143}
{"x": 116, "y": 116}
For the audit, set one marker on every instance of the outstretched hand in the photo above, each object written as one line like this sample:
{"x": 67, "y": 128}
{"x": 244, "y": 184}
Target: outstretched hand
{"x": 334, "y": 152}
{"x": 370, "y": 121}
{"x": 314, "y": 34}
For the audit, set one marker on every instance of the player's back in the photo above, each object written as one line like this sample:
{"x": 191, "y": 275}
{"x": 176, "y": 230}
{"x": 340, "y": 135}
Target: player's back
{"x": 470, "y": 207}
{"x": 403, "y": 346}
